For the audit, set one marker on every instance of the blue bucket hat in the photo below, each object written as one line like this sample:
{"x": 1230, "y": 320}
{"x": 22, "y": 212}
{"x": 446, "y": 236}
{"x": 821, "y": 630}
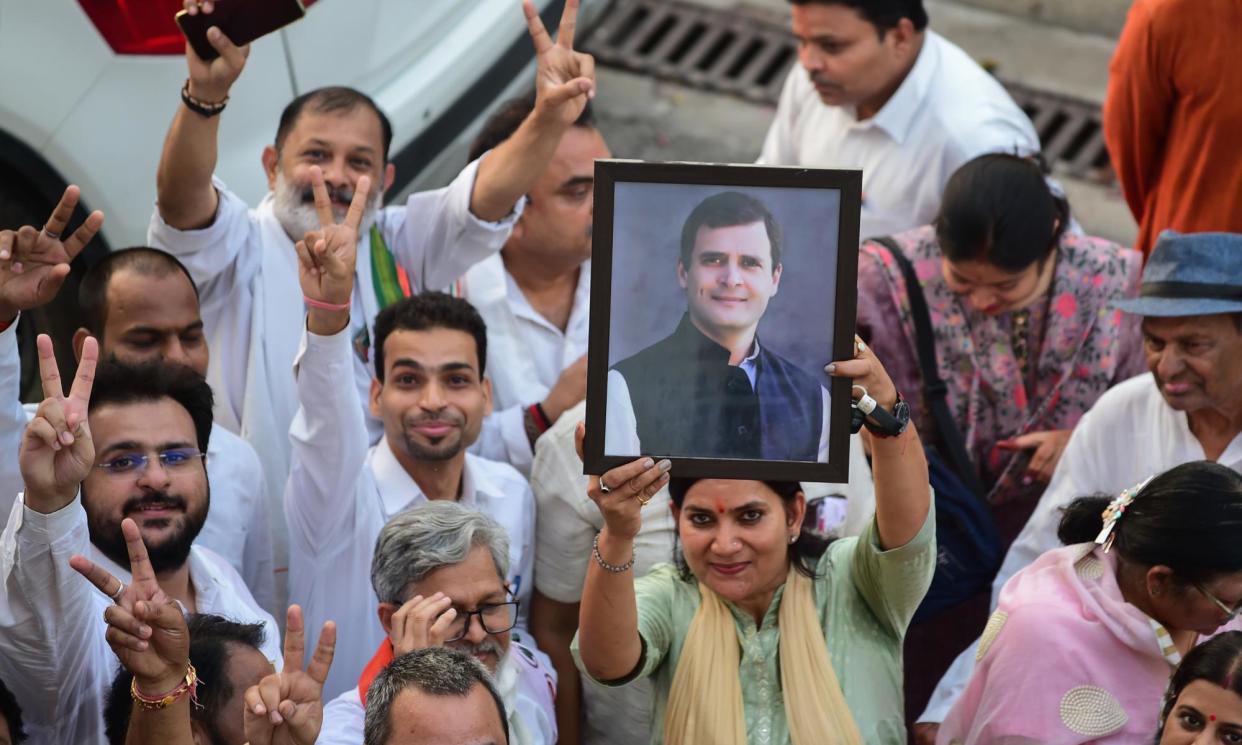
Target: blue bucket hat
{"x": 1191, "y": 274}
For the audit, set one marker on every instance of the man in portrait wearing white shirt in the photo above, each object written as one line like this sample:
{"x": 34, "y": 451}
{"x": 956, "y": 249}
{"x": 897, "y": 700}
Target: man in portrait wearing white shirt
{"x": 535, "y": 295}
{"x": 127, "y": 442}
{"x": 430, "y": 393}
{"x": 243, "y": 259}
{"x": 1188, "y": 408}
{"x": 439, "y": 573}
{"x": 141, "y": 305}
{"x": 877, "y": 90}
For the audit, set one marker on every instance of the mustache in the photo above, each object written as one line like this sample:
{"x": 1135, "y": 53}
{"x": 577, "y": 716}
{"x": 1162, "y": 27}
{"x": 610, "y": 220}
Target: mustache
{"x": 448, "y": 417}
{"x": 484, "y": 647}
{"x": 157, "y": 500}
{"x": 341, "y": 194}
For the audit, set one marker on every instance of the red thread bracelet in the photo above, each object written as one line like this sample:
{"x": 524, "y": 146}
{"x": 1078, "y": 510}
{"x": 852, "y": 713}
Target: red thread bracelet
{"x": 189, "y": 685}
{"x": 321, "y": 305}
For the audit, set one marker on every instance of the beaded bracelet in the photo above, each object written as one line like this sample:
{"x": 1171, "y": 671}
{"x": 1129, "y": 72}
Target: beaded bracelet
{"x": 206, "y": 109}
{"x": 155, "y": 703}
{"x": 614, "y": 568}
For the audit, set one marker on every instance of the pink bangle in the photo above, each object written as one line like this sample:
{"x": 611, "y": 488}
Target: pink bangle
{"x": 321, "y": 305}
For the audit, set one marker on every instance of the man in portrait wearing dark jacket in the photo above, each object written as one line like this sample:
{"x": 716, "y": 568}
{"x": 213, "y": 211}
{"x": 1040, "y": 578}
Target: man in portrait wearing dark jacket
{"x": 712, "y": 389}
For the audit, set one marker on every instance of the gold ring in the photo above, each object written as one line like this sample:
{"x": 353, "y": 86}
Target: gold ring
{"x": 641, "y": 501}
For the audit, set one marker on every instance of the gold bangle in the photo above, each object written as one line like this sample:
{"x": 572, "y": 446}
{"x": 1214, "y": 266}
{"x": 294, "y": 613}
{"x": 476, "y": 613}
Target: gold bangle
{"x": 189, "y": 685}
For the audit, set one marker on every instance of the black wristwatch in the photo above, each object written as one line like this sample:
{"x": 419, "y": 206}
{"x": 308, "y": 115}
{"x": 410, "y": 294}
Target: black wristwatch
{"x": 888, "y": 424}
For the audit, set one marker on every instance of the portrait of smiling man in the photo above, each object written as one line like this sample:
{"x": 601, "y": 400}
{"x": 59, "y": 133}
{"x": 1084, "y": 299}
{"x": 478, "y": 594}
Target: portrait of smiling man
{"x": 713, "y": 389}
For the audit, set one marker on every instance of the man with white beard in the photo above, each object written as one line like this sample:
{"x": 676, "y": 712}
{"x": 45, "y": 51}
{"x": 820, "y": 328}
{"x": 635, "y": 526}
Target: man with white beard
{"x": 243, "y": 259}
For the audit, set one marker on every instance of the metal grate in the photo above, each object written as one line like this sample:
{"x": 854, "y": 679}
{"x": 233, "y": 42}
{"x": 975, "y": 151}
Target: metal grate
{"x": 748, "y": 54}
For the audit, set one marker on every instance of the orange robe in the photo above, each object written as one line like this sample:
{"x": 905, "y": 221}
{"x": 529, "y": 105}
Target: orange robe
{"x": 1173, "y": 116}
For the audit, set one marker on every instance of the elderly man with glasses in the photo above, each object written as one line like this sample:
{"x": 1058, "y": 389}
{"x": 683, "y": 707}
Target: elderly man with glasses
{"x": 439, "y": 573}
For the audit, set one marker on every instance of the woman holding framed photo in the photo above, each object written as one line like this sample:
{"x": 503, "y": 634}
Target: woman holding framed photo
{"x": 761, "y": 633}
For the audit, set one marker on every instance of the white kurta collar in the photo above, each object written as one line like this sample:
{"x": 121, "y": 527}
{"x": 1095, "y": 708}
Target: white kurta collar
{"x": 399, "y": 491}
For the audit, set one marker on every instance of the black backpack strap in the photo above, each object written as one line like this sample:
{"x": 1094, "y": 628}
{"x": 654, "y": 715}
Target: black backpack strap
{"x": 934, "y": 389}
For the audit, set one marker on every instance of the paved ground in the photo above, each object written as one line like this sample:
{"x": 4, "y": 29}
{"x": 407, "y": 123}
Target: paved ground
{"x": 653, "y": 120}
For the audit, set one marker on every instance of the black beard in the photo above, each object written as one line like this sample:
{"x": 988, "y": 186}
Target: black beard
{"x": 167, "y": 556}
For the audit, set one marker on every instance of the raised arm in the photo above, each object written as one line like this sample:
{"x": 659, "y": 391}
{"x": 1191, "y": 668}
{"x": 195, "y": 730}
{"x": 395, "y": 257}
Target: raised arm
{"x": 148, "y": 634}
{"x": 33, "y": 265}
{"x": 328, "y": 433}
{"x": 608, "y": 639}
{"x": 564, "y": 81}
{"x": 184, "y": 193}
{"x": 902, "y": 496}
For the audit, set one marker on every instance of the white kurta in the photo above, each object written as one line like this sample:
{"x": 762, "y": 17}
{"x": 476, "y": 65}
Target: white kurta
{"x": 238, "y": 525}
{"x": 246, "y": 270}
{"x": 53, "y": 654}
{"x": 947, "y": 111}
{"x": 1129, "y": 435}
{"x": 340, "y": 494}
{"x": 525, "y": 353}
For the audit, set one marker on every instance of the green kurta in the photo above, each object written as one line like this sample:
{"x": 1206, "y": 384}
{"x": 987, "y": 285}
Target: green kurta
{"x": 865, "y": 598}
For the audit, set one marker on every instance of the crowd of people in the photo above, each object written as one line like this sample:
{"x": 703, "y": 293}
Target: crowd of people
{"x": 274, "y": 404}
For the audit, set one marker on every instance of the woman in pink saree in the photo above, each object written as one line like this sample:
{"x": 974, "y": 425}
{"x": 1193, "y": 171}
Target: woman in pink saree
{"x": 1083, "y": 641}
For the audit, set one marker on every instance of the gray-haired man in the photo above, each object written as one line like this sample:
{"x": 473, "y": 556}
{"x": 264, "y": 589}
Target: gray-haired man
{"x": 435, "y": 695}
{"x": 438, "y": 571}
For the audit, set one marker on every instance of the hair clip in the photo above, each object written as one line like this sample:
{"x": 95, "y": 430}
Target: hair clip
{"x": 1114, "y": 511}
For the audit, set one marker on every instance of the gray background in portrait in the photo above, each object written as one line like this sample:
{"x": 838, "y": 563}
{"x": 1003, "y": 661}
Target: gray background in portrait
{"x": 648, "y": 303}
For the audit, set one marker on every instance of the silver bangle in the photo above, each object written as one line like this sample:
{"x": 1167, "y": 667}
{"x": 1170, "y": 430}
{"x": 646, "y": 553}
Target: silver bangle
{"x": 614, "y": 568}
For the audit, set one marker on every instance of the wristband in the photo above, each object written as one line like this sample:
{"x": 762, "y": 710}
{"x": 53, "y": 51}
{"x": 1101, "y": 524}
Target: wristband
{"x": 614, "y": 568}
{"x": 202, "y": 108}
{"x": 189, "y": 685}
{"x": 321, "y": 305}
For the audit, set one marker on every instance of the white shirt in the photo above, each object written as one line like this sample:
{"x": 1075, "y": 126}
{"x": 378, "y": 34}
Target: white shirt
{"x": 246, "y": 270}
{"x": 947, "y": 111}
{"x": 621, "y": 426}
{"x": 237, "y": 524}
{"x": 526, "y": 686}
{"x": 340, "y": 494}
{"x": 53, "y": 654}
{"x": 568, "y": 522}
{"x": 525, "y": 353}
{"x": 1129, "y": 435}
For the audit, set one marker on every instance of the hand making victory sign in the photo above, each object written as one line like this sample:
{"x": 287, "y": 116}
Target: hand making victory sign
{"x": 146, "y": 629}
{"x": 286, "y": 708}
{"x": 564, "y": 79}
{"x": 34, "y": 263}
{"x": 57, "y": 452}
{"x": 326, "y": 258}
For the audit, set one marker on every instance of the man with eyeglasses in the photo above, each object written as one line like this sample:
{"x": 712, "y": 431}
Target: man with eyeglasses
{"x": 438, "y": 573}
{"x": 430, "y": 393}
{"x": 140, "y": 305}
{"x": 127, "y": 441}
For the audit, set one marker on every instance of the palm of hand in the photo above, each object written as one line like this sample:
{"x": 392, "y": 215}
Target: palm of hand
{"x": 38, "y": 257}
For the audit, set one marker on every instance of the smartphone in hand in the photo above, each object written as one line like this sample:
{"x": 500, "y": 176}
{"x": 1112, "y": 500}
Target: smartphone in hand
{"x": 242, "y": 21}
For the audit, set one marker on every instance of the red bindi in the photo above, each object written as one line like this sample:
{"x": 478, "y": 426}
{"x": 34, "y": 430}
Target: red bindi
{"x": 1211, "y": 717}
{"x": 720, "y": 510}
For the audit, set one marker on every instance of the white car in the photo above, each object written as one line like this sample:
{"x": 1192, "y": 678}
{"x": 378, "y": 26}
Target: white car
{"x": 89, "y": 87}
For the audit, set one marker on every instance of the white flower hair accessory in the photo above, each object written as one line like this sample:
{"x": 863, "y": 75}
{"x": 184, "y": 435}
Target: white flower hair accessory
{"x": 1115, "y": 510}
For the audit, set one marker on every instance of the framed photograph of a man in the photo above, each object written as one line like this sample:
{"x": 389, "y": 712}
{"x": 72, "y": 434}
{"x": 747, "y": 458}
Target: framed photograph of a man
{"x": 718, "y": 295}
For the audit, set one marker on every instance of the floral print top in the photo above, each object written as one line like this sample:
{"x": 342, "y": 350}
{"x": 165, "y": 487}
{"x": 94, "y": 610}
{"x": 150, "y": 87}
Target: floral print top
{"x": 1077, "y": 344}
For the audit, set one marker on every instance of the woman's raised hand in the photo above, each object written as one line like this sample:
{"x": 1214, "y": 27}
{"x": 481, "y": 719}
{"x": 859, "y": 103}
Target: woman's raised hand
{"x": 622, "y": 492}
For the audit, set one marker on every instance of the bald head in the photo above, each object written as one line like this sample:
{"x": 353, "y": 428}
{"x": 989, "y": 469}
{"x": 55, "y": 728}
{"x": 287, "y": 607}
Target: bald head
{"x": 142, "y": 305}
